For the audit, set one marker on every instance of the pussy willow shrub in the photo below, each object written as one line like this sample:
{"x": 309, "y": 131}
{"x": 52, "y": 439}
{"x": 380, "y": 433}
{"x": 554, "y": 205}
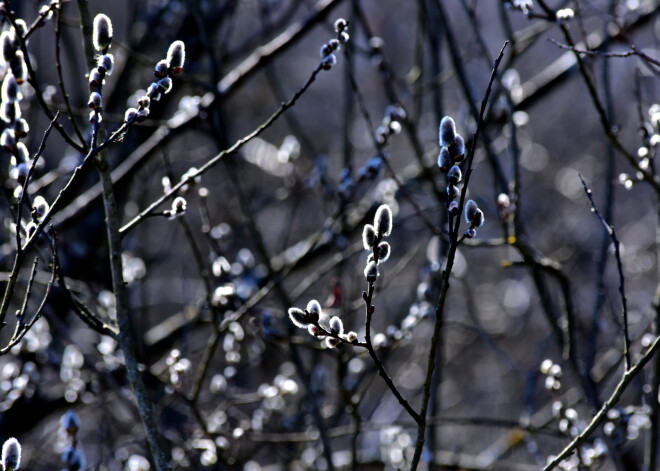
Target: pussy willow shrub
{"x": 181, "y": 180}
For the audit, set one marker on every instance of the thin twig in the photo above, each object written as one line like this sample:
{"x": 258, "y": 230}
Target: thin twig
{"x": 231, "y": 150}
{"x": 633, "y": 51}
{"x": 230, "y": 83}
{"x": 60, "y": 75}
{"x": 368, "y": 297}
{"x": 619, "y": 265}
{"x": 23, "y": 328}
{"x": 126, "y": 337}
{"x": 21, "y": 247}
{"x": 444, "y": 288}
{"x": 645, "y": 173}
{"x": 38, "y": 92}
{"x": 628, "y": 376}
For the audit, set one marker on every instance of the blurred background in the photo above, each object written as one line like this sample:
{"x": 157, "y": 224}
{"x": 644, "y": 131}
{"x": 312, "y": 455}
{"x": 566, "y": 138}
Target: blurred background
{"x": 279, "y": 222}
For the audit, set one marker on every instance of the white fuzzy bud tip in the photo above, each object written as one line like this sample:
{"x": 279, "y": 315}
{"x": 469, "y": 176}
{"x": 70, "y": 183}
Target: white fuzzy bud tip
{"x": 106, "y": 63}
{"x": 95, "y": 101}
{"x": 447, "y": 131}
{"x": 368, "y": 236}
{"x": 314, "y": 308}
{"x": 165, "y": 84}
{"x": 383, "y": 221}
{"x": 337, "y": 325}
{"x": 11, "y": 455}
{"x": 102, "y": 32}
{"x": 130, "y": 115}
{"x": 331, "y": 342}
{"x": 471, "y": 209}
{"x": 176, "y": 56}
{"x": 179, "y": 205}
{"x": 298, "y": 317}
{"x": 328, "y": 61}
{"x": 11, "y": 92}
{"x": 40, "y": 206}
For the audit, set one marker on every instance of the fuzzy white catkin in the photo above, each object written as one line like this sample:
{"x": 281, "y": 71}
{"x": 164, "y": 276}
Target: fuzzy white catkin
{"x": 337, "y": 325}
{"x": 102, "y": 32}
{"x": 11, "y": 455}
{"x": 40, "y": 206}
{"x": 383, "y": 221}
{"x": 384, "y": 251}
{"x": 11, "y": 92}
{"x": 368, "y": 236}
{"x": 314, "y": 307}
{"x": 297, "y": 316}
{"x": 447, "y": 133}
{"x": 444, "y": 159}
{"x": 471, "y": 209}
{"x": 176, "y": 56}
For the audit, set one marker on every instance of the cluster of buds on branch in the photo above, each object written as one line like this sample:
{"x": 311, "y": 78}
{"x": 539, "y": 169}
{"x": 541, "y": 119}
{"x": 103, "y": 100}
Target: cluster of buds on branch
{"x": 15, "y": 127}
{"x": 102, "y": 40}
{"x": 372, "y": 239}
{"x": 163, "y": 72}
{"x": 328, "y": 58}
{"x": 331, "y": 329}
{"x": 391, "y": 124}
{"x": 452, "y": 154}
{"x": 318, "y": 324}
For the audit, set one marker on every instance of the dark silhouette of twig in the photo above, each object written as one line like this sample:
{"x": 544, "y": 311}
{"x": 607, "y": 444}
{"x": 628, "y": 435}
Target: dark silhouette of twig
{"x": 619, "y": 265}
{"x": 444, "y": 288}
{"x": 633, "y": 51}
{"x": 628, "y": 376}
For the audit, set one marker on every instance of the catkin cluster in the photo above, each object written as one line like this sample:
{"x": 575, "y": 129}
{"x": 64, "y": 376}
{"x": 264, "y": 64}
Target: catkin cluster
{"x": 102, "y": 40}
{"x": 320, "y": 325}
{"x": 452, "y": 153}
{"x": 331, "y": 329}
{"x": 372, "y": 239}
{"x": 391, "y": 124}
{"x": 328, "y": 58}
{"x": 163, "y": 72}
{"x": 15, "y": 127}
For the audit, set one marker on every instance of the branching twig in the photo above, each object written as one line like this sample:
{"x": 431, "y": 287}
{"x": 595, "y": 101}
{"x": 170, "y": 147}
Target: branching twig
{"x": 633, "y": 51}
{"x": 231, "y": 150}
{"x": 20, "y": 246}
{"x": 599, "y": 418}
{"x": 444, "y": 288}
{"x": 619, "y": 265}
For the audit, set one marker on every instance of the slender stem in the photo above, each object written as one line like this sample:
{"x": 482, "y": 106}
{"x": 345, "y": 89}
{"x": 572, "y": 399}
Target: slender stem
{"x": 60, "y": 75}
{"x": 646, "y": 174}
{"x": 444, "y": 287}
{"x": 622, "y": 280}
{"x": 22, "y": 327}
{"x": 599, "y": 418}
{"x": 231, "y": 150}
{"x": 653, "y": 435}
{"x": 87, "y": 31}
{"x": 126, "y": 337}
{"x": 20, "y": 247}
{"x": 368, "y": 297}
{"x": 39, "y": 95}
